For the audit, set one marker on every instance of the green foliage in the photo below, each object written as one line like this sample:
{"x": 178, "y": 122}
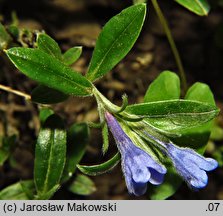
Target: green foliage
{"x": 218, "y": 155}
{"x": 216, "y": 132}
{"x": 77, "y": 140}
{"x": 105, "y": 138}
{"x": 139, "y": 1}
{"x": 50, "y": 169}
{"x": 14, "y": 31}
{"x": 186, "y": 122}
{"x": 7, "y": 146}
{"x": 82, "y": 185}
{"x": 198, "y": 136}
{"x": 48, "y": 45}
{"x": 4, "y": 38}
{"x": 174, "y": 115}
{"x": 51, "y": 47}
{"x": 44, "y": 114}
{"x": 50, "y": 156}
{"x": 49, "y": 71}
{"x": 100, "y": 168}
{"x": 200, "y": 7}
{"x": 22, "y": 190}
{"x": 116, "y": 39}
{"x": 200, "y": 92}
{"x": 72, "y": 55}
{"x": 193, "y": 131}
{"x": 165, "y": 87}
{"x": 45, "y": 95}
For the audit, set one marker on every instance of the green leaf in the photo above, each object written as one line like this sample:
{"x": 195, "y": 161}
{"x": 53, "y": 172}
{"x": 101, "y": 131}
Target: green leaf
{"x": 115, "y": 40}
{"x": 72, "y": 55}
{"x": 14, "y": 31}
{"x": 4, "y": 38}
{"x": 139, "y": 1}
{"x": 165, "y": 87}
{"x": 200, "y": 7}
{"x": 216, "y": 132}
{"x": 100, "y": 168}
{"x": 23, "y": 190}
{"x": 218, "y": 155}
{"x": 45, "y": 95}
{"x": 200, "y": 92}
{"x": 82, "y": 185}
{"x": 105, "y": 138}
{"x": 48, "y": 45}
{"x": 197, "y": 137}
{"x": 47, "y": 195}
{"x": 49, "y": 71}
{"x": 77, "y": 140}
{"x": 174, "y": 115}
{"x": 6, "y": 147}
{"x": 44, "y": 114}
{"x": 50, "y": 155}
{"x": 28, "y": 188}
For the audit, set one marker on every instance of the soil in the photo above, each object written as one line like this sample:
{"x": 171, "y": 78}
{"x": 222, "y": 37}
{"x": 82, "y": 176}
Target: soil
{"x": 79, "y": 22}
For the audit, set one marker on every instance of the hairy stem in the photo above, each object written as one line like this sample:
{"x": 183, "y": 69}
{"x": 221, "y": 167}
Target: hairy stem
{"x": 172, "y": 44}
{"x": 16, "y": 92}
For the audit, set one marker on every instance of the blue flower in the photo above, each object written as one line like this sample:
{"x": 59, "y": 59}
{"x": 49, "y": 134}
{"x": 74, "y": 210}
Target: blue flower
{"x": 190, "y": 165}
{"x": 138, "y": 166}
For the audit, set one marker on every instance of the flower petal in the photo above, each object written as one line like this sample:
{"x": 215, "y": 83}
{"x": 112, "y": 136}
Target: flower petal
{"x": 190, "y": 165}
{"x": 119, "y": 135}
{"x": 207, "y": 164}
{"x": 139, "y": 188}
{"x": 140, "y": 173}
{"x": 128, "y": 178}
{"x": 156, "y": 177}
{"x": 200, "y": 182}
{"x": 151, "y": 163}
{"x": 136, "y": 163}
{"x": 210, "y": 164}
{"x": 133, "y": 187}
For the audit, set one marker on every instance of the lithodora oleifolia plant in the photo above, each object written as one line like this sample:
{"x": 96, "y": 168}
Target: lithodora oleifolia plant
{"x": 160, "y": 141}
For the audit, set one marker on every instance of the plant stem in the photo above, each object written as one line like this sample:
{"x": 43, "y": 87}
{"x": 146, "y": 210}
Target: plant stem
{"x": 101, "y": 99}
{"x": 19, "y": 93}
{"x": 172, "y": 44}
{"x": 105, "y": 104}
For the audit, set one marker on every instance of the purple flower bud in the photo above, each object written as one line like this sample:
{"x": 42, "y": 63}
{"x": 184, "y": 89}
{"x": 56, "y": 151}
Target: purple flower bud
{"x": 190, "y": 165}
{"x": 138, "y": 166}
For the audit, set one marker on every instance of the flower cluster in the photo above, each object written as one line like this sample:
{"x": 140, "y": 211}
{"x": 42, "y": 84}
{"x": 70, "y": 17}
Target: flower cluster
{"x": 139, "y": 167}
